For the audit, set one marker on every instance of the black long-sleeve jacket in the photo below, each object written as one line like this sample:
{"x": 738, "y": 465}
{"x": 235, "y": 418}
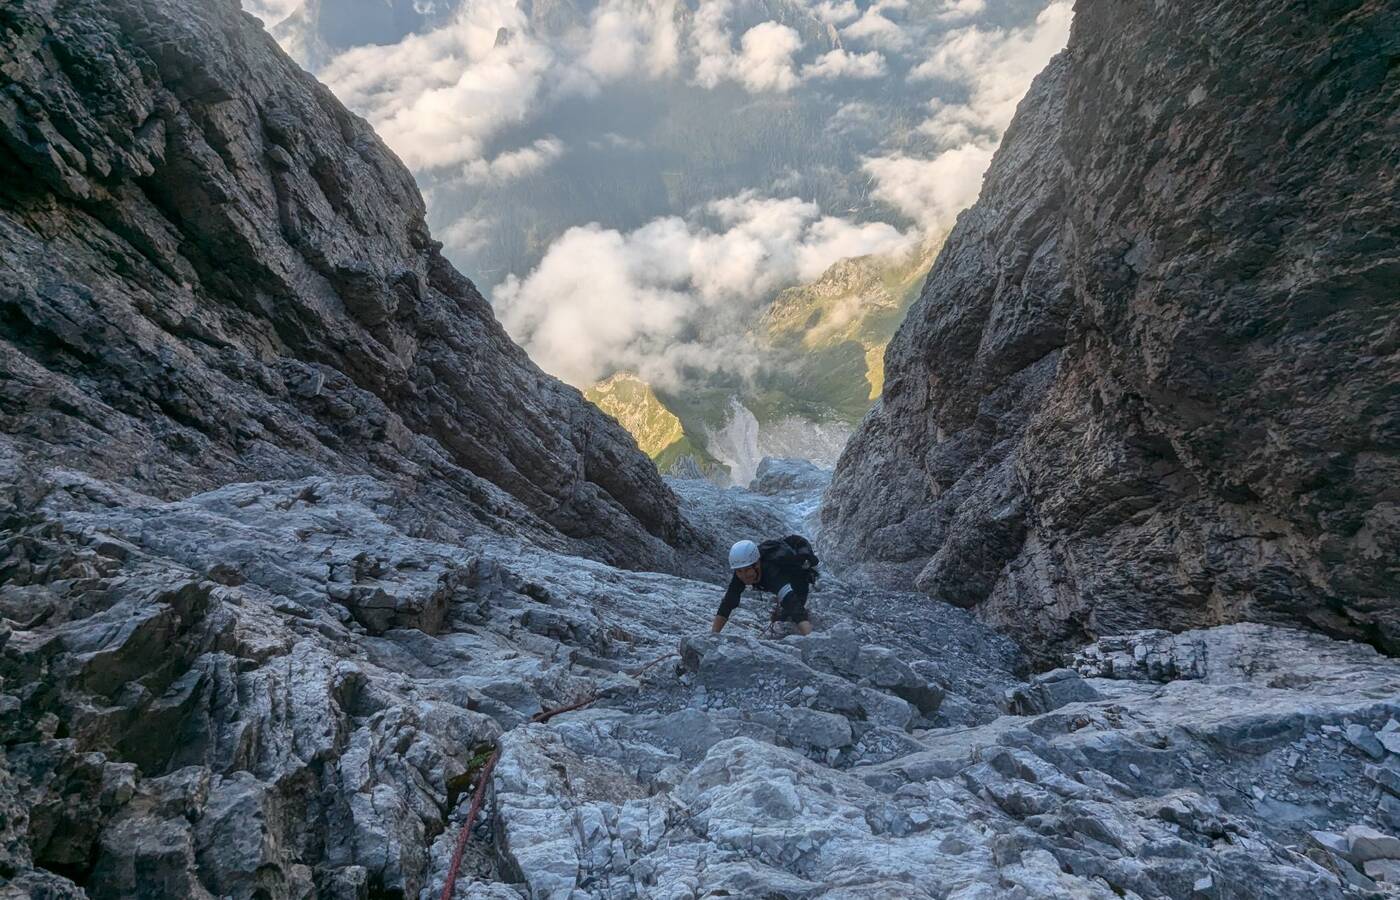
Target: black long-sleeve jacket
{"x": 791, "y": 586}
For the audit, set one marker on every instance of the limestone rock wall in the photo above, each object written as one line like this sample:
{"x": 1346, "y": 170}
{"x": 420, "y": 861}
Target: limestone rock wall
{"x": 268, "y": 690}
{"x": 1152, "y": 380}
{"x": 211, "y": 272}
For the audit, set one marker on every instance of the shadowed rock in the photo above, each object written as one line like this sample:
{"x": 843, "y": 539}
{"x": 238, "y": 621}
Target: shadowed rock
{"x": 210, "y": 271}
{"x": 1151, "y": 379}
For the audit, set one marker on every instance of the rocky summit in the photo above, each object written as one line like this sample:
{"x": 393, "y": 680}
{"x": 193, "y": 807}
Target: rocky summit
{"x": 1152, "y": 379}
{"x": 313, "y": 586}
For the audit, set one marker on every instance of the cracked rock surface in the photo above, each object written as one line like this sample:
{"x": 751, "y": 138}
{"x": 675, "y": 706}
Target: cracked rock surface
{"x": 195, "y": 704}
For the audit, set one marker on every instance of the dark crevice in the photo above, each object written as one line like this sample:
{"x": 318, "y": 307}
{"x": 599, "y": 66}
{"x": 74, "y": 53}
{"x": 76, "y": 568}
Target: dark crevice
{"x": 42, "y": 344}
{"x": 78, "y": 874}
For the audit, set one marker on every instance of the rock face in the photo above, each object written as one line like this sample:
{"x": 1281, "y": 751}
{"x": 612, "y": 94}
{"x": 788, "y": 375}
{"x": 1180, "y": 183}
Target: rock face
{"x": 198, "y": 699}
{"x": 743, "y": 442}
{"x": 210, "y": 272}
{"x": 290, "y": 541}
{"x": 1152, "y": 380}
{"x": 776, "y": 476}
{"x": 796, "y": 484}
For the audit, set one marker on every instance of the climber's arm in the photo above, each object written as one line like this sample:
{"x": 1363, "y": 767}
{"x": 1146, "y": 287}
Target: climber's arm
{"x": 728, "y": 604}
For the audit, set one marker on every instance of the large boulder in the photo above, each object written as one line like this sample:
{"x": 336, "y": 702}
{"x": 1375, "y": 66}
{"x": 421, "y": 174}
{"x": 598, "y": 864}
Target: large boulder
{"x": 776, "y": 476}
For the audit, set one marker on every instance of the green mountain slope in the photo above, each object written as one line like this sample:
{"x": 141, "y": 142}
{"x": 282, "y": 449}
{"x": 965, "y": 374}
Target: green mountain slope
{"x": 823, "y": 344}
{"x": 659, "y": 432}
{"x": 851, "y": 311}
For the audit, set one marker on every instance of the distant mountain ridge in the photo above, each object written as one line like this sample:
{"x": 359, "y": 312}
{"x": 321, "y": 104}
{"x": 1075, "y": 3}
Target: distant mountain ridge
{"x": 858, "y": 300}
{"x": 658, "y": 431}
{"x": 823, "y": 345}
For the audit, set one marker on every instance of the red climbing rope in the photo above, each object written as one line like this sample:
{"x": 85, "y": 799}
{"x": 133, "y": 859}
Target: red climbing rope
{"x": 545, "y": 715}
{"x": 542, "y": 716}
{"x": 465, "y": 834}
{"x": 451, "y": 884}
{"x": 637, "y": 672}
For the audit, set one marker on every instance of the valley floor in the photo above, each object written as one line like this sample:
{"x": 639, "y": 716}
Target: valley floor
{"x": 271, "y": 690}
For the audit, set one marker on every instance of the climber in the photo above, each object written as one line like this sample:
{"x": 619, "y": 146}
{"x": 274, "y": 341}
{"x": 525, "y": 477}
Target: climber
{"x": 786, "y": 567}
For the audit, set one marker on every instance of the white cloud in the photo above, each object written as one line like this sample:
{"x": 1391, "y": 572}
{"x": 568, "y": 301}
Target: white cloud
{"x": 835, "y": 12}
{"x": 856, "y": 115}
{"x": 996, "y": 66}
{"x": 765, "y": 58}
{"x": 440, "y": 99}
{"x": 271, "y": 11}
{"x": 437, "y": 98}
{"x": 841, "y": 64}
{"x": 514, "y": 163}
{"x": 931, "y": 191}
{"x": 875, "y": 28}
{"x": 765, "y": 61}
{"x": 711, "y": 43}
{"x": 465, "y": 234}
{"x": 952, "y": 10}
{"x": 627, "y": 37}
{"x": 668, "y": 293}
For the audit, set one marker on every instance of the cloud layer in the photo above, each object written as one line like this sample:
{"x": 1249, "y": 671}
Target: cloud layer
{"x": 674, "y": 294}
{"x": 271, "y": 11}
{"x": 877, "y": 27}
{"x": 440, "y": 98}
{"x": 931, "y": 191}
{"x": 514, "y": 163}
{"x": 841, "y": 64}
{"x": 468, "y": 107}
{"x": 994, "y": 66}
{"x": 763, "y": 62}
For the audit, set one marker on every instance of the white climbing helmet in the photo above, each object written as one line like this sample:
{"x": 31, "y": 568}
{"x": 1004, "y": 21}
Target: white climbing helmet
{"x": 743, "y": 554}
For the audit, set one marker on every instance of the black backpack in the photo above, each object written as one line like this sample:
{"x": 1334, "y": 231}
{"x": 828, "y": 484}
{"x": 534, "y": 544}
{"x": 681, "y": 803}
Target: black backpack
{"x": 791, "y": 552}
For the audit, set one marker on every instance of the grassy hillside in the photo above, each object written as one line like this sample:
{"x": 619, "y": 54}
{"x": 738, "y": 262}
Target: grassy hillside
{"x": 634, "y": 405}
{"x": 659, "y": 432}
{"x": 852, "y": 309}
